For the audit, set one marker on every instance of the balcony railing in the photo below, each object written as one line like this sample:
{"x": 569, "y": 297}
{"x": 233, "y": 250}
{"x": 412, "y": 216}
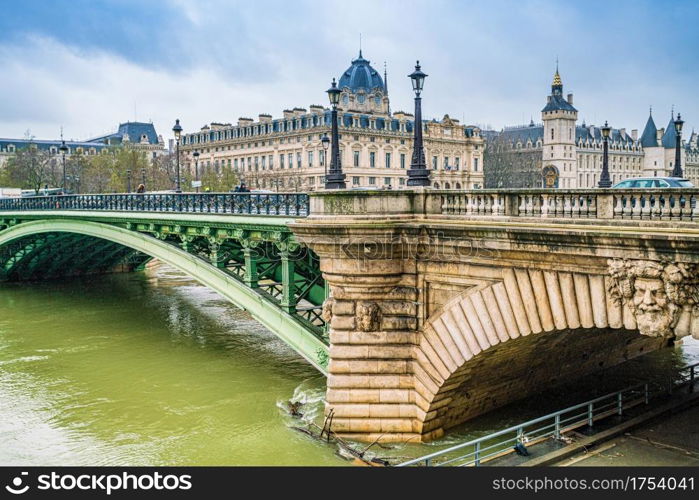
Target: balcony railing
{"x": 283, "y": 204}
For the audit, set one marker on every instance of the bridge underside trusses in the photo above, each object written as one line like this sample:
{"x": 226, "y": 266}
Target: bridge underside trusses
{"x": 264, "y": 258}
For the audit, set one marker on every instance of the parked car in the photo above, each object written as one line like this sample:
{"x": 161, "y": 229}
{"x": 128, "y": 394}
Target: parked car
{"x": 655, "y": 183}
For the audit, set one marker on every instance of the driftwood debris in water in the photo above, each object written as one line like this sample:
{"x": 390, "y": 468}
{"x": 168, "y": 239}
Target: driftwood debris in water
{"x": 345, "y": 449}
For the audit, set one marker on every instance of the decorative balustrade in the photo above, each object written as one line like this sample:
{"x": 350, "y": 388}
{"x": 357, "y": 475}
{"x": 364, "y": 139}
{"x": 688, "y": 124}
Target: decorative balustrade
{"x": 660, "y": 204}
{"x": 284, "y": 204}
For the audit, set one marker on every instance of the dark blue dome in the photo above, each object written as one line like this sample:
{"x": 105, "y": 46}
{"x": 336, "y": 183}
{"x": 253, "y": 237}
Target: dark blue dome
{"x": 361, "y": 76}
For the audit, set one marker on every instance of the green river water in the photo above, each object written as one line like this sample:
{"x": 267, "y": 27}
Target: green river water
{"x": 153, "y": 369}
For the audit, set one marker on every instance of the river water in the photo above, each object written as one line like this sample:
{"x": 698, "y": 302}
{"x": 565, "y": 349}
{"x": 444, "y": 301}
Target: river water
{"x": 153, "y": 369}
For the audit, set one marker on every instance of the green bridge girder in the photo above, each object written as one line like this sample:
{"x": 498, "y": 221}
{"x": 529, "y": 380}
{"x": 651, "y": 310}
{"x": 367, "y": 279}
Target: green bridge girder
{"x": 253, "y": 261}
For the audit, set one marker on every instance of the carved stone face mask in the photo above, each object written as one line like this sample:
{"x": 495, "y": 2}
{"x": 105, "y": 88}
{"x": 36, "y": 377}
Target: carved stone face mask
{"x": 654, "y": 312}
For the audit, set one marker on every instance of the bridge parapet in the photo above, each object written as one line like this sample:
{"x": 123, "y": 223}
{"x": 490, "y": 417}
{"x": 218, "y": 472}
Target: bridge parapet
{"x": 283, "y": 204}
{"x": 678, "y": 204}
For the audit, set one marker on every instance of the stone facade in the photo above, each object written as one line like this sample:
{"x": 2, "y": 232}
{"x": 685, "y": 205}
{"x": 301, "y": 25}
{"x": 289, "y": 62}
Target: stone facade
{"x": 286, "y": 154}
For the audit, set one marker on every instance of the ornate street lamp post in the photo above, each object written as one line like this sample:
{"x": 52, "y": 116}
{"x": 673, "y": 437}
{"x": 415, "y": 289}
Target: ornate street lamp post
{"x": 196, "y": 168}
{"x": 325, "y": 141}
{"x": 128, "y": 181}
{"x": 418, "y": 175}
{"x": 63, "y": 149}
{"x": 604, "y": 181}
{"x": 335, "y": 179}
{"x": 177, "y": 129}
{"x": 677, "y": 169}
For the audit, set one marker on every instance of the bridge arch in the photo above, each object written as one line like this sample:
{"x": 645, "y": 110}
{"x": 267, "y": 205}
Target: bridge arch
{"x": 283, "y": 324}
{"x": 499, "y": 342}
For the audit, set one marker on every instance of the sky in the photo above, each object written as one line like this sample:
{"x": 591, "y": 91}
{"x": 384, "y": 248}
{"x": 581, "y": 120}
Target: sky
{"x": 88, "y": 65}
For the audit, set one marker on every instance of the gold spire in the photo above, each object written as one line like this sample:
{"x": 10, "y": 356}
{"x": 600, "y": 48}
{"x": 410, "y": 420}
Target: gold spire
{"x": 557, "y": 79}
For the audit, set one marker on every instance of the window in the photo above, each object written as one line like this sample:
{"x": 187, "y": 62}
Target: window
{"x": 281, "y": 161}
{"x": 355, "y": 181}
{"x": 402, "y": 160}
{"x": 271, "y": 162}
{"x": 321, "y": 158}
{"x": 387, "y": 181}
{"x": 457, "y": 163}
{"x": 434, "y": 163}
{"x": 388, "y": 160}
{"x": 446, "y": 163}
{"x": 475, "y": 164}
{"x": 372, "y": 159}
{"x": 401, "y": 181}
{"x": 310, "y": 158}
{"x": 298, "y": 159}
{"x": 235, "y": 164}
{"x": 372, "y": 181}
{"x": 264, "y": 162}
{"x": 290, "y": 160}
{"x": 355, "y": 155}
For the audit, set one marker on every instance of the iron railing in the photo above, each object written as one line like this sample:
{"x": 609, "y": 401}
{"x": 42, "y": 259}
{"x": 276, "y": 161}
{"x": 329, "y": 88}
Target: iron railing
{"x": 284, "y": 204}
{"x": 477, "y": 451}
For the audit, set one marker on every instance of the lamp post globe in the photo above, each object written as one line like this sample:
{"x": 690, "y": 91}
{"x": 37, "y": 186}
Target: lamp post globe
{"x": 325, "y": 142}
{"x": 418, "y": 175}
{"x": 335, "y": 179}
{"x": 604, "y": 180}
{"x": 677, "y": 169}
{"x": 63, "y": 149}
{"x": 196, "y": 167}
{"x": 177, "y": 130}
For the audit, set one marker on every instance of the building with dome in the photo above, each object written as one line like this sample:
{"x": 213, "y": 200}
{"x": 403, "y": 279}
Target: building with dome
{"x": 286, "y": 154}
{"x": 561, "y": 153}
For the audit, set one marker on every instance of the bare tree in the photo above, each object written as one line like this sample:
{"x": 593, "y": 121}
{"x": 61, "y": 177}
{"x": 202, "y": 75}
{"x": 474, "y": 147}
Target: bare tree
{"x": 506, "y": 166}
{"x": 31, "y": 168}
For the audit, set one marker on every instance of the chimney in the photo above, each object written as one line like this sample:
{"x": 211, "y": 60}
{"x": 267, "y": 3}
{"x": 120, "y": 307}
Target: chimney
{"x": 622, "y": 133}
{"x": 660, "y": 134}
{"x": 634, "y": 134}
{"x": 264, "y": 118}
{"x": 570, "y": 99}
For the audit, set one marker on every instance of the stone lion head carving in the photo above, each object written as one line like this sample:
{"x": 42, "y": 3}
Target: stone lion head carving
{"x": 368, "y": 316}
{"x": 654, "y": 291}
{"x": 327, "y": 313}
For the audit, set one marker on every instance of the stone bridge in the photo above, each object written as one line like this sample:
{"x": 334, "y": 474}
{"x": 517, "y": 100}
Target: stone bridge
{"x": 437, "y": 306}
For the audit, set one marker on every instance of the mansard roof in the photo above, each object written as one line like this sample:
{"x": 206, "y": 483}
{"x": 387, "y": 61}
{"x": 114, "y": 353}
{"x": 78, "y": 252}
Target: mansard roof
{"x": 134, "y": 130}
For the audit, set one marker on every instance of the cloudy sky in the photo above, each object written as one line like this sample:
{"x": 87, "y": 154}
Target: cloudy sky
{"x": 87, "y": 65}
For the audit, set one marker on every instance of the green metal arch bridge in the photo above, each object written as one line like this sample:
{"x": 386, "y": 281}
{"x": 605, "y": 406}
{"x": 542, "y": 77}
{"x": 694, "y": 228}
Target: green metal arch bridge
{"x": 237, "y": 245}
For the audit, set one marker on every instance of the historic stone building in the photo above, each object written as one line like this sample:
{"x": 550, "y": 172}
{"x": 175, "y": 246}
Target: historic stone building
{"x": 139, "y": 135}
{"x": 286, "y": 153}
{"x": 570, "y": 155}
